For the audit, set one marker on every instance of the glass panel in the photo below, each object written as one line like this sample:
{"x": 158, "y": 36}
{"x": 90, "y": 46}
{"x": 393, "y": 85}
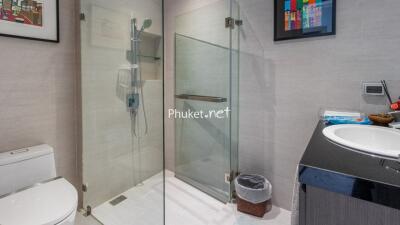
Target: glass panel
{"x": 207, "y": 65}
{"x": 122, "y": 111}
{"x": 202, "y": 145}
{"x": 206, "y": 24}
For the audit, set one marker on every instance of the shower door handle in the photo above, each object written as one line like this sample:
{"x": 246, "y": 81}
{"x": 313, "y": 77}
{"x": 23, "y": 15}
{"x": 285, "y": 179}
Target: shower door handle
{"x": 201, "y": 98}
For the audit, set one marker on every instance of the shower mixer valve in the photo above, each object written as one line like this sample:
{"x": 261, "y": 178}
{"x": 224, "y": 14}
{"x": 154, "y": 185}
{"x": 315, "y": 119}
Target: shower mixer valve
{"x": 132, "y": 101}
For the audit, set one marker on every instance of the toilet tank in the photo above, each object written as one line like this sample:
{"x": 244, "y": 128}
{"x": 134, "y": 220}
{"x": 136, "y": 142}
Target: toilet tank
{"x": 25, "y": 167}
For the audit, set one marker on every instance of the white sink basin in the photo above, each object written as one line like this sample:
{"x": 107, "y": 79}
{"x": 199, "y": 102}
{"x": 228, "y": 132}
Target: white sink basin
{"x": 379, "y": 141}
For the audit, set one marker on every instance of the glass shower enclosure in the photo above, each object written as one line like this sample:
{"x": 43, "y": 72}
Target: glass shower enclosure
{"x": 206, "y": 73}
{"x": 122, "y": 111}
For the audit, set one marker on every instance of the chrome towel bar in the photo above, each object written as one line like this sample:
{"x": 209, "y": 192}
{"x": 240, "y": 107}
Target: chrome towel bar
{"x": 201, "y": 98}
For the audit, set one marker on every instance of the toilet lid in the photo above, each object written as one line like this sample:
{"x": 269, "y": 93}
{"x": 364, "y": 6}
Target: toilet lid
{"x": 48, "y": 203}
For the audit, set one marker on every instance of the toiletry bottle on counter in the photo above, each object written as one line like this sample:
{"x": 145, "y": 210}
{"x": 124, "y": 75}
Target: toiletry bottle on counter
{"x": 396, "y": 106}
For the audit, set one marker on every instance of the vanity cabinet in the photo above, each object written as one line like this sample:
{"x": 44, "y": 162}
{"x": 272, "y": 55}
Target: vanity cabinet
{"x": 343, "y": 187}
{"x": 321, "y": 207}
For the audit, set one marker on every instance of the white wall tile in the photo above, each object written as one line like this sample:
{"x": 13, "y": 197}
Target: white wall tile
{"x": 38, "y": 86}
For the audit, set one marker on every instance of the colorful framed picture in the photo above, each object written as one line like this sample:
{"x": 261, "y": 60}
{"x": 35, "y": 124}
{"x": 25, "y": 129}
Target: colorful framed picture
{"x": 304, "y": 18}
{"x": 30, "y": 19}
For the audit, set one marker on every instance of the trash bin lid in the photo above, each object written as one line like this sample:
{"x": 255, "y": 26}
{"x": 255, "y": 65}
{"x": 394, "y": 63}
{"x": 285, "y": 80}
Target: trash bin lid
{"x": 251, "y": 181}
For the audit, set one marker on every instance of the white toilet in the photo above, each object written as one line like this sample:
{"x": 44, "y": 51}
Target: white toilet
{"x": 30, "y": 192}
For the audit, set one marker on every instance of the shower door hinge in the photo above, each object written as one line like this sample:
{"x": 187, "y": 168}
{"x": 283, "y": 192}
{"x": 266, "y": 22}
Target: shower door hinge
{"x": 234, "y": 196}
{"x": 229, "y": 177}
{"x": 88, "y": 211}
{"x": 229, "y": 23}
{"x": 84, "y": 187}
{"x": 82, "y": 17}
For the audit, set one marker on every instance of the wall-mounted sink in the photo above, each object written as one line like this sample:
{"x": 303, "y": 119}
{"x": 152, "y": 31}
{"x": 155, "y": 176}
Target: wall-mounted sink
{"x": 379, "y": 141}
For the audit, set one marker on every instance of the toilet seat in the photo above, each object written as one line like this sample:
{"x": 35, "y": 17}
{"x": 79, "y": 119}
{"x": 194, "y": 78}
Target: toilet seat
{"x": 48, "y": 203}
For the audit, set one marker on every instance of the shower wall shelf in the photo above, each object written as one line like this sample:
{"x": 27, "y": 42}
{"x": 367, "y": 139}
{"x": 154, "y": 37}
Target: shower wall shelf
{"x": 150, "y": 57}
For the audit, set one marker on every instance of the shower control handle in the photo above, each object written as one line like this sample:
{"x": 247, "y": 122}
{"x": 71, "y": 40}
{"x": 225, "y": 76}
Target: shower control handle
{"x": 132, "y": 101}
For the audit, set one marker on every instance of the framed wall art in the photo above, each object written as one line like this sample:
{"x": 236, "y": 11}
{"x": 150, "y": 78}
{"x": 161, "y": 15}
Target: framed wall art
{"x": 30, "y": 19}
{"x": 304, "y": 18}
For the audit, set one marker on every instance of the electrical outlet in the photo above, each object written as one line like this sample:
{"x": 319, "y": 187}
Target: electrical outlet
{"x": 373, "y": 89}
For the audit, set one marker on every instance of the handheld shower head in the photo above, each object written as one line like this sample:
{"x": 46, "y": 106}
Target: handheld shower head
{"x": 135, "y": 32}
{"x": 146, "y": 24}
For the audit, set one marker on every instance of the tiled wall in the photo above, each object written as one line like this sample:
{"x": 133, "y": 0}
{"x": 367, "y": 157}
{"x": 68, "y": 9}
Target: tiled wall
{"x": 282, "y": 92}
{"x": 38, "y": 91}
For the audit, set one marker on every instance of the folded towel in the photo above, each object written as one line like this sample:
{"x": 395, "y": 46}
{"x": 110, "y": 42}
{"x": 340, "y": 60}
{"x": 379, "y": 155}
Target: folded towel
{"x": 335, "y": 120}
{"x": 338, "y": 113}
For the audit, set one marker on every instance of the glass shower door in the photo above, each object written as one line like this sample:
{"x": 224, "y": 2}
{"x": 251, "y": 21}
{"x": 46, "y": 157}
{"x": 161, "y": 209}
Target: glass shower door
{"x": 122, "y": 111}
{"x": 206, "y": 83}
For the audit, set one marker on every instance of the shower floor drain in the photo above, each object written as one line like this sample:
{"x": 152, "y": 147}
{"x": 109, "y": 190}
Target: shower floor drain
{"x": 118, "y": 200}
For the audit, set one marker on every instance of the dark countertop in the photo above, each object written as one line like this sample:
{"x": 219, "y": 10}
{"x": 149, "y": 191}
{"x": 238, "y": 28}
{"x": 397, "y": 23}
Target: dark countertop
{"x": 329, "y": 166}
